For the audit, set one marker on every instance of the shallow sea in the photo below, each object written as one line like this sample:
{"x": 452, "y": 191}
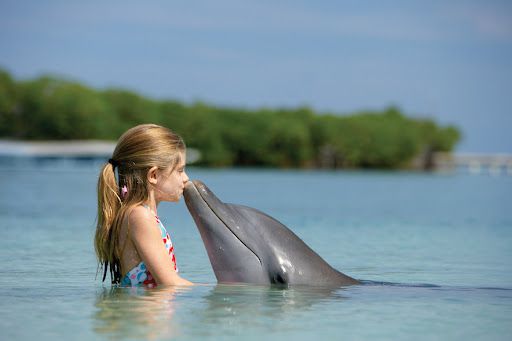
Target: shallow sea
{"x": 436, "y": 250}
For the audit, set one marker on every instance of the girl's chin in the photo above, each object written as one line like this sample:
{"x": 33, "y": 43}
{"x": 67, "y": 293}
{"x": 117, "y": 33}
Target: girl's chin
{"x": 174, "y": 198}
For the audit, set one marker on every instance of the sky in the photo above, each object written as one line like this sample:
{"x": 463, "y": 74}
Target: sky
{"x": 446, "y": 60}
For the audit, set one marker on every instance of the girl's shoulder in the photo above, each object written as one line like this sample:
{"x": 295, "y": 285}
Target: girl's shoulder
{"x": 139, "y": 217}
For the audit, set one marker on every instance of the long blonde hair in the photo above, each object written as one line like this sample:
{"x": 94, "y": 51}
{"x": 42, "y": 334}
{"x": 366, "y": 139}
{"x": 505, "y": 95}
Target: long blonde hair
{"x": 138, "y": 149}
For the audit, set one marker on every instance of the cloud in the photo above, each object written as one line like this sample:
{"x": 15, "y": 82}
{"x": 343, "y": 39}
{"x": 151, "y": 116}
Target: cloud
{"x": 383, "y": 21}
{"x": 490, "y": 22}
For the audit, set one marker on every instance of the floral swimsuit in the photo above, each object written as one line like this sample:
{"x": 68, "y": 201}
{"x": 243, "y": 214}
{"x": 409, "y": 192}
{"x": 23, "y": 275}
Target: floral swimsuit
{"x": 140, "y": 275}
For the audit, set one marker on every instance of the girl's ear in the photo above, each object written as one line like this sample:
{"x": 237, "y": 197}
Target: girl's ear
{"x": 152, "y": 175}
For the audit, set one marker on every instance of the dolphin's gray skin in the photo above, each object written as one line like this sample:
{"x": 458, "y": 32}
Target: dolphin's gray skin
{"x": 247, "y": 246}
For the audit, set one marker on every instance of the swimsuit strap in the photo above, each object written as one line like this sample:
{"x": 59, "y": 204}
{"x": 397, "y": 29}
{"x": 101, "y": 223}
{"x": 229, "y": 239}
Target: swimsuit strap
{"x": 166, "y": 238}
{"x": 149, "y": 209}
{"x": 159, "y": 222}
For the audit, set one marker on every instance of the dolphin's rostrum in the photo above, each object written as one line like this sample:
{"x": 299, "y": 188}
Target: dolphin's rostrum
{"x": 247, "y": 246}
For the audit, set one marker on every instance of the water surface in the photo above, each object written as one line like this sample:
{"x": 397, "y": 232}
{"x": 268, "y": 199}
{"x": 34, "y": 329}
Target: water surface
{"x": 435, "y": 250}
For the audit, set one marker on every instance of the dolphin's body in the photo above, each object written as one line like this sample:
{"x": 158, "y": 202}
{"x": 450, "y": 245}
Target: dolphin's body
{"x": 247, "y": 246}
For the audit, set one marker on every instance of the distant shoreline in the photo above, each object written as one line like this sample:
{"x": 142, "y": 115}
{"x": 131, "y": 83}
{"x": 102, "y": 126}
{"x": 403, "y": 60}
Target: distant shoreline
{"x": 68, "y": 149}
{"x": 475, "y": 163}
{"x": 51, "y": 108}
{"x": 73, "y": 148}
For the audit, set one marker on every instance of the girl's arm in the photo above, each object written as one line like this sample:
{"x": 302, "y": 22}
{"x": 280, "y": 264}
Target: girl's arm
{"x": 146, "y": 237}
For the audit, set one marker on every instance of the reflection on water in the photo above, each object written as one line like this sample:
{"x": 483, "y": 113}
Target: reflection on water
{"x": 157, "y": 313}
{"x": 235, "y": 308}
{"x": 136, "y": 313}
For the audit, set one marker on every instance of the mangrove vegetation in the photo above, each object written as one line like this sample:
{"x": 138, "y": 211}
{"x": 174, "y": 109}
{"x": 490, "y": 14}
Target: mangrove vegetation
{"x": 52, "y": 108}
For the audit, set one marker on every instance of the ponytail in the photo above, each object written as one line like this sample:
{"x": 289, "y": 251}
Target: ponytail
{"x": 109, "y": 204}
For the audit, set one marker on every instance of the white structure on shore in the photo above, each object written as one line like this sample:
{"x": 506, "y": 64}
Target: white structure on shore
{"x": 71, "y": 149}
{"x": 493, "y": 164}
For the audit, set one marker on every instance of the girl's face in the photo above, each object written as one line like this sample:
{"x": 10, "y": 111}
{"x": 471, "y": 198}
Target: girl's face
{"x": 170, "y": 184}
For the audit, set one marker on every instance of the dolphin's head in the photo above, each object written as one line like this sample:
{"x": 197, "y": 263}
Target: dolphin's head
{"x": 228, "y": 237}
{"x": 247, "y": 246}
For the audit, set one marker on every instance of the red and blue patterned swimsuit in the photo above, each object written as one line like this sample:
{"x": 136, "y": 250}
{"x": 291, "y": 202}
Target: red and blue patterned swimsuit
{"x": 140, "y": 275}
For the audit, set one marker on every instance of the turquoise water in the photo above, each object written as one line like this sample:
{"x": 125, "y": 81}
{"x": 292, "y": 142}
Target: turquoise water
{"x": 441, "y": 243}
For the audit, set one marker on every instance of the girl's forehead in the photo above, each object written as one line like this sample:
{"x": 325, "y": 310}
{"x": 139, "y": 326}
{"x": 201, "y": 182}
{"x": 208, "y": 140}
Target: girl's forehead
{"x": 183, "y": 159}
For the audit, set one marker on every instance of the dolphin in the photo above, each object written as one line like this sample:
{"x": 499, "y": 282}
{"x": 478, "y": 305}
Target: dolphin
{"x": 248, "y": 246}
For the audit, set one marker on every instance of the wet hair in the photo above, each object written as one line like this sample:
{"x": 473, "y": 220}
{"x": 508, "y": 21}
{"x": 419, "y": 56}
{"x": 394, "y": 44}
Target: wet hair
{"x": 138, "y": 150}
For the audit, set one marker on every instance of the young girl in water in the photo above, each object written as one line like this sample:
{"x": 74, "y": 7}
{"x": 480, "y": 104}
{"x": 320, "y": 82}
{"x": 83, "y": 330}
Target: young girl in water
{"x": 146, "y": 168}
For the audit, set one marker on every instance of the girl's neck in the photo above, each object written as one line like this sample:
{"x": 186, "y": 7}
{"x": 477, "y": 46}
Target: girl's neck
{"x": 152, "y": 203}
{"x": 152, "y": 208}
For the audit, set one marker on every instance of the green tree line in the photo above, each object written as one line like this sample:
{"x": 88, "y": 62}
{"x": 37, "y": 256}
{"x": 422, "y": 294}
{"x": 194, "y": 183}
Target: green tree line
{"x": 58, "y": 109}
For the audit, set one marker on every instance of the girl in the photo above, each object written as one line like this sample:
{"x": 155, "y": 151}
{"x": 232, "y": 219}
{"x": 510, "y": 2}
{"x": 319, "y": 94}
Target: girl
{"x": 130, "y": 240}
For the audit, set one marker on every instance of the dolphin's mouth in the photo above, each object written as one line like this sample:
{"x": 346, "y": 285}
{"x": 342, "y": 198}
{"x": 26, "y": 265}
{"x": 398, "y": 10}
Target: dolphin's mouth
{"x": 210, "y": 200}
